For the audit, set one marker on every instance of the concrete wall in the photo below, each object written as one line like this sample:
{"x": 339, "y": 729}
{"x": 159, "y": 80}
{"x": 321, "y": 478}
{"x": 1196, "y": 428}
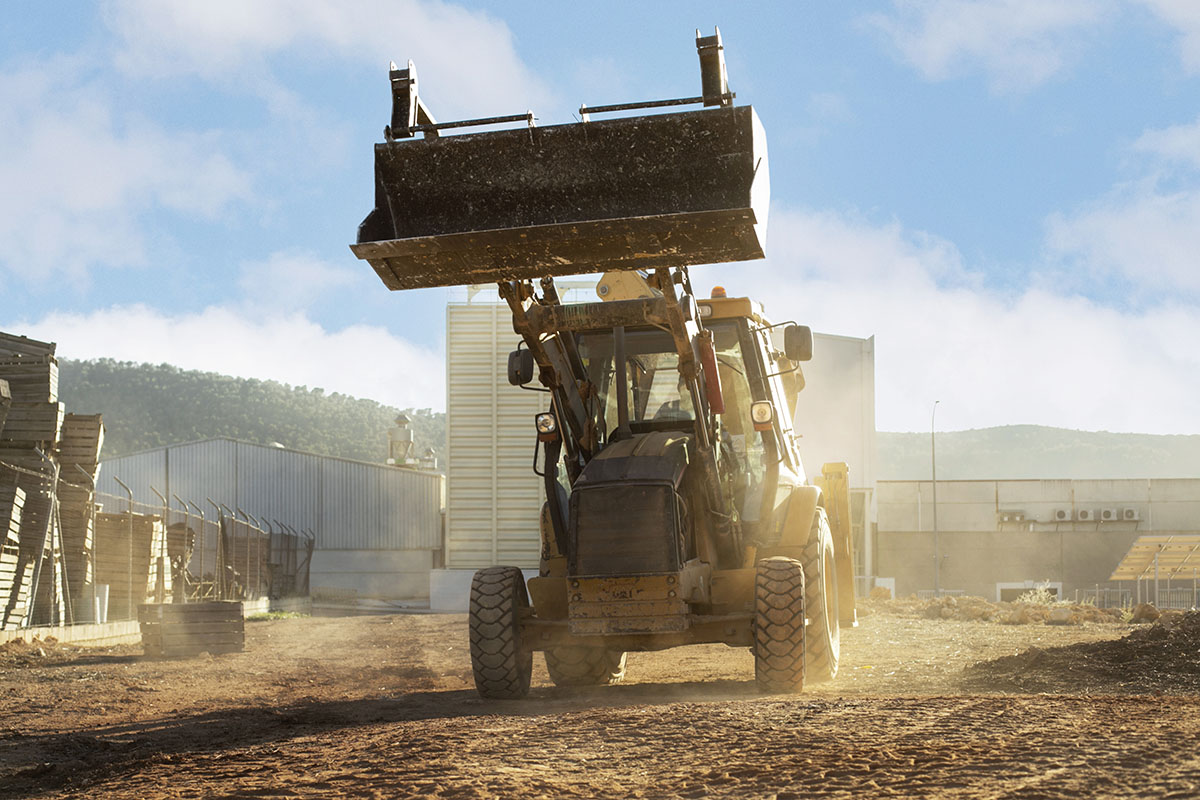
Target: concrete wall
{"x": 380, "y": 574}
{"x": 979, "y": 548}
{"x": 975, "y": 562}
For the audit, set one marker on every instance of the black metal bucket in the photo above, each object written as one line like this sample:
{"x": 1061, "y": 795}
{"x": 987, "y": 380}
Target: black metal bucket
{"x": 620, "y": 194}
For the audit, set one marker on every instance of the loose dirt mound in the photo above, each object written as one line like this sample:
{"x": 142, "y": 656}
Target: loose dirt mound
{"x": 1164, "y": 657}
{"x": 977, "y": 609}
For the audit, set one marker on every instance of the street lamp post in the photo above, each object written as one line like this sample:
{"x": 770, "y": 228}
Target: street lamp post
{"x": 937, "y": 557}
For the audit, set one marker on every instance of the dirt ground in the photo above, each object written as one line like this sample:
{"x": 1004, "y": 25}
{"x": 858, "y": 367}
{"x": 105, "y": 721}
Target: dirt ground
{"x": 384, "y": 707}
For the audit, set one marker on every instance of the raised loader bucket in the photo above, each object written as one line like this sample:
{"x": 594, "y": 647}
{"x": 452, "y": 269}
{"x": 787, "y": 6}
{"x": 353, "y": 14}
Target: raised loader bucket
{"x": 617, "y": 194}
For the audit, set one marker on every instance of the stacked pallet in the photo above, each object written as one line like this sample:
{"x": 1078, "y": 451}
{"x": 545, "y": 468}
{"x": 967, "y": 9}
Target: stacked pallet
{"x": 78, "y": 458}
{"x": 134, "y": 567}
{"x": 12, "y": 569}
{"x": 172, "y": 630}
{"x": 33, "y": 424}
{"x": 37, "y": 438}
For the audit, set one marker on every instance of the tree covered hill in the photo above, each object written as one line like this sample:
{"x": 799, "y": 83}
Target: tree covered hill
{"x": 1034, "y": 451}
{"x": 147, "y": 406}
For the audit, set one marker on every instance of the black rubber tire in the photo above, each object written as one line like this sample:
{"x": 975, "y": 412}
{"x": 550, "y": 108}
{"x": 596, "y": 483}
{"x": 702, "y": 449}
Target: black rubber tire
{"x": 585, "y": 666}
{"x": 823, "y": 636}
{"x": 779, "y": 625}
{"x": 502, "y": 668}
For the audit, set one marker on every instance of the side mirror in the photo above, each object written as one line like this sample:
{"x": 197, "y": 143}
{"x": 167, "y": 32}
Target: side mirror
{"x": 798, "y": 343}
{"x": 520, "y": 367}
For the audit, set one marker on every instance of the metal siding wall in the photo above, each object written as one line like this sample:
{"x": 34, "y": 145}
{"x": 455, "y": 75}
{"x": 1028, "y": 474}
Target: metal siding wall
{"x": 206, "y": 470}
{"x": 349, "y": 505}
{"x": 278, "y": 485}
{"x": 139, "y": 471}
{"x": 493, "y": 498}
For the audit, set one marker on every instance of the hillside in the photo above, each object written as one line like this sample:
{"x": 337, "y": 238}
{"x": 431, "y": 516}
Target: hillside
{"x": 1033, "y": 451}
{"x": 146, "y": 406}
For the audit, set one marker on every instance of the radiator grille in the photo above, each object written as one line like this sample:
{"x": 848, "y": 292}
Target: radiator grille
{"x": 623, "y": 530}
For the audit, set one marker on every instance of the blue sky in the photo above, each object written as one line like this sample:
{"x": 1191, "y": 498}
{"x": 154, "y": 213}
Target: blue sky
{"x": 1006, "y": 193}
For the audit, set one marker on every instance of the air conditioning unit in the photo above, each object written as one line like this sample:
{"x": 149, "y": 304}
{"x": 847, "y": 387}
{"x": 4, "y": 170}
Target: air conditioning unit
{"x": 1085, "y": 515}
{"x": 1063, "y": 515}
{"x": 1012, "y": 516}
{"x": 1130, "y": 514}
{"x": 1109, "y": 515}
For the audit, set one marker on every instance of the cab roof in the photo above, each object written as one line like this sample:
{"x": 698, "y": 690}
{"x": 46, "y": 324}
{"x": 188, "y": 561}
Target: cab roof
{"x": 732, "y": 308}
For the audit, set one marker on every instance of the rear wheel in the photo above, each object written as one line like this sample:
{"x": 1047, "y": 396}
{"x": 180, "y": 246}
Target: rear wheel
{"x": 498, "y": 599}
{"x": 585, "y": 666}
{"x": 779, "y": 625}
{"x": 823, "y": 638}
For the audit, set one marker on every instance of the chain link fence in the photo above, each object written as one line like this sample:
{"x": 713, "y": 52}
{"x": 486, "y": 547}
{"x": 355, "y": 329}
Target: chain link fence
{"x": 70, "y": 555}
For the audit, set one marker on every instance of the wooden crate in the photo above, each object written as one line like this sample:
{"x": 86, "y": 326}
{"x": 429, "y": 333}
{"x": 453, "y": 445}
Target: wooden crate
{"x": 32, "y": 425}
{"x": 32, "y": 379}
{"x": 5, "y": 401}
{"x": 78, "y": 533}
{"x": 175, "y": 629}
{"x": 11, "y": 345}
{"x": 80, "y": 442}
{"x": 112, "y": 560}
{"x": 14, "y": 573}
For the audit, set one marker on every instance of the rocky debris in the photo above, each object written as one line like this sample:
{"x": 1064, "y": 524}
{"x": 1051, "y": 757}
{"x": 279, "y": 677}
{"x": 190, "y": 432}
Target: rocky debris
{"x": 1144, "y": 612}
{"x": 1163, "y": 657}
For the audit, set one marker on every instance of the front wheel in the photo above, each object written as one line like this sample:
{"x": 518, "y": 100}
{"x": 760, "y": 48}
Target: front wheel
{"x": 502, "y": 667}
{"x": 779, "y": 625}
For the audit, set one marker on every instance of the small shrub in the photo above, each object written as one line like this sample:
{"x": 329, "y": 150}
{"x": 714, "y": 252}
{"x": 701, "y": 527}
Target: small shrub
{"x": 267, "y": 616}
{"x": 1041, "y": 596}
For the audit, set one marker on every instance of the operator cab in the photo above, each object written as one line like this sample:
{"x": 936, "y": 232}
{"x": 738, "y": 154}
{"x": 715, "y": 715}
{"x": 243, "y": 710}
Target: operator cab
{"x": 659, "y": 400}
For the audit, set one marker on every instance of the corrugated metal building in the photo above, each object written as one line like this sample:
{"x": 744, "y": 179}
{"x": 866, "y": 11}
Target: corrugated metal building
{"x": 378, "y": 528}
{"x": 493, "y": 496}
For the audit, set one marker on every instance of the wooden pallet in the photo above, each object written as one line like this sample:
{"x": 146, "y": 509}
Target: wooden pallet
{"x": 171, "y": 630}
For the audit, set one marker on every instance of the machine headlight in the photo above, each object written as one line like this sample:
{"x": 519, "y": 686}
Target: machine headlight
{"x": 762, "y": 413}
{"x": 545, "y": 423}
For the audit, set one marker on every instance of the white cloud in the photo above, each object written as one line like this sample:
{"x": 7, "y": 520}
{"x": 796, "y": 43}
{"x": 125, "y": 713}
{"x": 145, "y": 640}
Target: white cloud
{"x": 360, "y": 360}
{"x": 1175, "y": 144}
{"x": 466, "y": 59}
{"x": 1146, "y": 231}
{"x": 1017, "y": 43}
{"x": 1183, "y": 15}
{"x": 295, "y": 280}
{"x": 1147, "y": 237}
{"x": 79, "y": 174}
{"x": 992, "y": 358}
